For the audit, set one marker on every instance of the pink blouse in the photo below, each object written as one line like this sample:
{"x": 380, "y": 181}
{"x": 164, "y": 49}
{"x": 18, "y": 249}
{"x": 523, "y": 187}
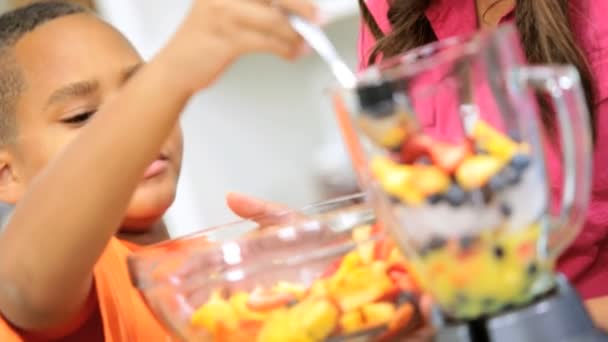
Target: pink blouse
{"x": 586, "y": 261}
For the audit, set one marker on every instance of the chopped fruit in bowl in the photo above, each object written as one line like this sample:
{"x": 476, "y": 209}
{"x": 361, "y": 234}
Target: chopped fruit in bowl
{"x": 328, "y": 272}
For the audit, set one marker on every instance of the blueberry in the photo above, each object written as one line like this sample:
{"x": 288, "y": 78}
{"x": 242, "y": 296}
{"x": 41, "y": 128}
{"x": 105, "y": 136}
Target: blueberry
{"x": 532, "y": 269}
{"x": 515, "y": 135}
{"x": 395, "y": 149}
{"x": 466, "y": 242}
{"x": 405, "y": 297}
{"x": 487, "y": 194}
{"x": 520, "y": 162}
{"x": 437, "y": 243}
{"x": 455, "y": 195}
{"x": 424, "y": 160}
{"x": 461, "y": 298}
{"x": 434, "y": 244}
{"x": 480, "y": 150}
{"x": 488, "y": 303}
{"x": 395, "y": 200}
{"x": 434, "y": 199}
{"x": 481, "y": 196}
{"x": 497, "y": 182}
{"x": 498, "y": 252}
{"x": 508, "y": 307}
{"x": 512, "y": 175}
{"x": 505, "y": 210}
{"x": 292, "y": 303}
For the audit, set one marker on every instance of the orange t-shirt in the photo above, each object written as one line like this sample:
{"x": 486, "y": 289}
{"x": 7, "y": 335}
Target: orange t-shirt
{"x": 124, "y": 315}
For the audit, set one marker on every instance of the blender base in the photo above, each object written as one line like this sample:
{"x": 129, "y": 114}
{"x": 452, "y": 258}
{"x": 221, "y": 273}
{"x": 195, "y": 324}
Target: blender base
{"x": 559, "y": 317}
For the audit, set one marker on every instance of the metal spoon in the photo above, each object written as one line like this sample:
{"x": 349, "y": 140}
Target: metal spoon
{"x": 317, "y": 39}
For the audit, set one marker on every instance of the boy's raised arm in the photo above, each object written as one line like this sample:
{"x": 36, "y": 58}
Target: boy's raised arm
{"x": 71, "y": 210}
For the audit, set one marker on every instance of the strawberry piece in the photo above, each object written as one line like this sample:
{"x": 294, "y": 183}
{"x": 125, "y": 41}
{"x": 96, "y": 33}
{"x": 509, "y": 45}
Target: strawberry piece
{"x": 526, "y": 250}
{"x": 449, "y": 156}
{"x": 403, "y": 281}
{"x": 397, "y": 268}
{"x": 383, "y": 249}
{"x": 376, "y": 229}
{"x": 333, "y": 267}
{"x": 416, "y": 147}
{"x": 223, "y": 333}
{"x": 249, "y": 328}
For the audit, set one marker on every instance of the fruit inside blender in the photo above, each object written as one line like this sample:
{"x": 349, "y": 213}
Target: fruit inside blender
{"x": 471, "y": 212}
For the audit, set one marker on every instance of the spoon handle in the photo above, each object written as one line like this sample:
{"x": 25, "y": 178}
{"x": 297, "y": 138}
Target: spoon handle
{"x": 317, "y": 39}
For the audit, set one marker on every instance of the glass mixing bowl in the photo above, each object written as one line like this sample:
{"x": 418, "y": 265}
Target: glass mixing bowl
{"x": 323, "y": 273}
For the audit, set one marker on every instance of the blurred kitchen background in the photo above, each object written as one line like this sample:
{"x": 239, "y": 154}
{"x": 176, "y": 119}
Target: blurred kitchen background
{"x": 265, "y": 129}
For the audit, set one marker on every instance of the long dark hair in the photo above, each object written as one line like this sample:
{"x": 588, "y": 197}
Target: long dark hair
{"x": 544, "y": 26}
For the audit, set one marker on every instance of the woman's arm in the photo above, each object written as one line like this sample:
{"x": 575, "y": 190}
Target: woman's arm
{"x": 598, "y": 308}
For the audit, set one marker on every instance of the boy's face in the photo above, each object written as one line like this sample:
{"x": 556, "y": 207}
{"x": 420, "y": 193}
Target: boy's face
{"x": 71, "y": 66}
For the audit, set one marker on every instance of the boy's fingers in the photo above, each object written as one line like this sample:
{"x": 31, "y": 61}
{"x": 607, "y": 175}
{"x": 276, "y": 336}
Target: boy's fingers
{"x": 252, "y": 41}
{"x": 303, "y": 8}
{"x": 249, "y": 207}
{"x": 268, "y": 19}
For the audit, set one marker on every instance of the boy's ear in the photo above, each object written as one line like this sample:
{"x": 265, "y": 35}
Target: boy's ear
{"x": 10, "y": 186}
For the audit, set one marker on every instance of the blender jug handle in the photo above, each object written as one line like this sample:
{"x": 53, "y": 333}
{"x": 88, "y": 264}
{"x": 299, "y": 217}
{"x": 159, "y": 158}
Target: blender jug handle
{"x": 563, "y": 86}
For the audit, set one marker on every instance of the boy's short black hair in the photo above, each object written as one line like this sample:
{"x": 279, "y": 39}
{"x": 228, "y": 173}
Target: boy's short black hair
{"x": 13, "y": 25}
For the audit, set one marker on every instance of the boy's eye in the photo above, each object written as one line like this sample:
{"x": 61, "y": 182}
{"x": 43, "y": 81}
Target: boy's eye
{"x": 78, "y": 118}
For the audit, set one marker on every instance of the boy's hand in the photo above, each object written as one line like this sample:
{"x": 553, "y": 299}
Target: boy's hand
{"x": 217, "y": 32}
{"x": 263, "y": 212}
{"x": 249, "y": 207}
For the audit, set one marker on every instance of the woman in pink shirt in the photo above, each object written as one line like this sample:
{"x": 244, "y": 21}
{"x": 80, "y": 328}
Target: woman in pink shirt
{"x": 553, "y": 31}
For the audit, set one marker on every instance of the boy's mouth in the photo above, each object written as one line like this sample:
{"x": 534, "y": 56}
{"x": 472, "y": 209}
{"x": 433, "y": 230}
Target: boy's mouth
{"x": 157, "y": 167}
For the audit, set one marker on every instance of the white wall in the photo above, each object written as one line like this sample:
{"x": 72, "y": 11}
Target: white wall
{"x": 259, "y": 130}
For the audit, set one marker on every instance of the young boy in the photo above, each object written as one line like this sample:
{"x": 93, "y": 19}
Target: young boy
{"x": 90, "y": 145}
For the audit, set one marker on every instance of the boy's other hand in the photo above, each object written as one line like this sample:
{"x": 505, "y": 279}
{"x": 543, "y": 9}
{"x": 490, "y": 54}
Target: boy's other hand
{"x": 263, "y": 212}
{"x": 217, "y": 32}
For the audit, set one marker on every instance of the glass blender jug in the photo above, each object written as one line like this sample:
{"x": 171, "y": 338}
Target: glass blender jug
{"x": 456, "y": 142}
